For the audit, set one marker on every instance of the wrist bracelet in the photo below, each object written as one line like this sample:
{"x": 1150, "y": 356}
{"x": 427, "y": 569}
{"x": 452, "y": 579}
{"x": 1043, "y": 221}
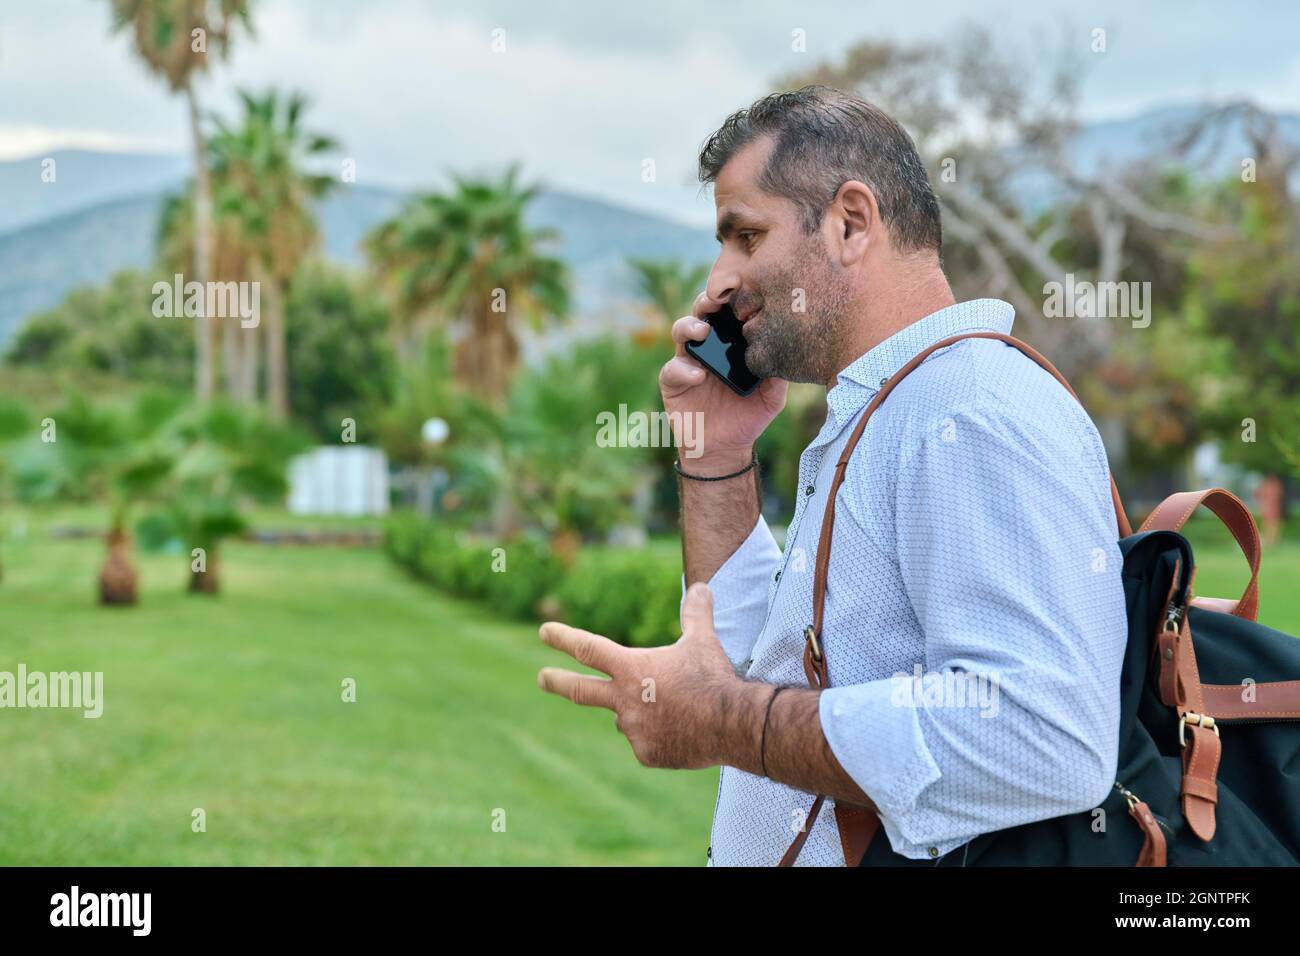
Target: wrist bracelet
{"x": 735, "y": 474}
{"x": 762, "y": 743}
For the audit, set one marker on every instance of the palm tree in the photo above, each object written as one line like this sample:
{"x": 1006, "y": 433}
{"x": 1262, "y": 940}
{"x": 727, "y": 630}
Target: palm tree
{"x": 223, "y": 457}
{"x": 230, "y": 260}
{"x": 167, "y": 39}
{"x": 265, "y": 197}
{"x": 103, "y": 453}
{"x": 468, "y": 259}
{"x": 669, "y": 288}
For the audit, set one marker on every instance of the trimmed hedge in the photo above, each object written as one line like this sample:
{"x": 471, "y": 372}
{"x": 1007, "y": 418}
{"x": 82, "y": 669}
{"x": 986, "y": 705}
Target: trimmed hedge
{"x": 632, "y": 596}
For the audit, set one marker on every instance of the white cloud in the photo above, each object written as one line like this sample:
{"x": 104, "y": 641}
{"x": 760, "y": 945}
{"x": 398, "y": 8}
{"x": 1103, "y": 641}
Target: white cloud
{"x": 584, "y": 91}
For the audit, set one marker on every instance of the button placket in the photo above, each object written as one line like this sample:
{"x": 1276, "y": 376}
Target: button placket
{"x": 810, "y": 462}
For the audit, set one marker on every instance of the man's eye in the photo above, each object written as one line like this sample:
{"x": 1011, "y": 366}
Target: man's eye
{"x": 747, "y": 237}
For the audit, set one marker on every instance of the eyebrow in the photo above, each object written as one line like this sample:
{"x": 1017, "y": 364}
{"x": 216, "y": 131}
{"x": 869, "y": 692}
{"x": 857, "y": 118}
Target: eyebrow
{"x": 728, "y": 225}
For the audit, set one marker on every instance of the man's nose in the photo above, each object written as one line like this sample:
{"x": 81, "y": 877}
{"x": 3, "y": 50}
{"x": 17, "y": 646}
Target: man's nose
{"x": 724, "y": 280}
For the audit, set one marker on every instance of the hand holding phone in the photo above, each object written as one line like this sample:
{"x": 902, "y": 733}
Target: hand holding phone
{"x": 729, "y": 422}
{"x": 723, "y": 351}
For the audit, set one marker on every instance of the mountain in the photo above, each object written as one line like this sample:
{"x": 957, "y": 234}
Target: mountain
{"x": 87, "y": 238}
{"x": 41, "y": 188}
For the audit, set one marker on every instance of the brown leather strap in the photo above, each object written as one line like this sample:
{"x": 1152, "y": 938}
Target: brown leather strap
{"x": 1181, "y": 688}
{"x": 1173, "y": 513}
{"x": 1154, "y": 846}
{"x": 1275, "y": 700}
{"x": 801, "y": 837}
{"x": 1200, "y": 771}
{"x": 858, "y": 825}
{"x": 1179, "y": 678}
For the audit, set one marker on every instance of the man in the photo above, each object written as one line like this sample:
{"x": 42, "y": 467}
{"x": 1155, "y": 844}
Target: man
{"x": 975, "y": 535}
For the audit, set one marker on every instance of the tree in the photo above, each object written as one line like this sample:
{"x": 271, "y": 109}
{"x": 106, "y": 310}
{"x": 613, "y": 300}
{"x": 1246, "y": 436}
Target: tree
{"x": 343, "y": 367}
{"x": 1246, "y": 296}
{"x": 173, "y": 38}
{"x": 562, "y": 472}
{"x": 224, "y": 458}
{"x": 669, "y": 288}
{"x": 266, "y": 197}
{"x": 109, "y": 329}
{"x": 230, "y": 257}
{"x": 470, "y": 455}
{"x": 468, "y": 262}
{"x": 104, "y": 453}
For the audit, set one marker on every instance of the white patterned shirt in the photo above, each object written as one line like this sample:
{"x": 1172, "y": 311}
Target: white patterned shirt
{"x": 975, "y": 620}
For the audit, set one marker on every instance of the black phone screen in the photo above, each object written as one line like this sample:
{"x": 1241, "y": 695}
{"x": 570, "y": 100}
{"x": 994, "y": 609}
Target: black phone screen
{"x": 723, "y": 352}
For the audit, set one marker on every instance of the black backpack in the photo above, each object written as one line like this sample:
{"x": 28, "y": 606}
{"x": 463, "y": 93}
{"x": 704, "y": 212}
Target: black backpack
{"x": 1209, "y": 737}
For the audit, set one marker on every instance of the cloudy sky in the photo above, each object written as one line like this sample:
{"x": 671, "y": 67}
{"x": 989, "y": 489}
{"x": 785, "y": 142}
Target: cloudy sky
{"x": 584, "y": 92}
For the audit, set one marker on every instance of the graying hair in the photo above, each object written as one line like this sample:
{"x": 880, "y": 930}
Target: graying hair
{"x": 825, "y": 137}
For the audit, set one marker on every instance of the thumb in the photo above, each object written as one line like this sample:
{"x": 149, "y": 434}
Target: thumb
{"x": 697, "y": 609}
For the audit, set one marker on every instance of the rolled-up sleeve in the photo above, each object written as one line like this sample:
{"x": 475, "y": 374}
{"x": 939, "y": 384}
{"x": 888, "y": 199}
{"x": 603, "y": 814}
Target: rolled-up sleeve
{"x": 740, "y": 592}
{"x": 1007, "y": 548}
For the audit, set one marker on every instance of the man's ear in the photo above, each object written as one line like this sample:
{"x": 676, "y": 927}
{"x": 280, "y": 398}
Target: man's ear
{"x": 856, "y": 219}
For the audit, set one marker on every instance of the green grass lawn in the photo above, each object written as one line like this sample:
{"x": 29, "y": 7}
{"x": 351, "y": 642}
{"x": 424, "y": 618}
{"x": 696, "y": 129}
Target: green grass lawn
{"x": 233, "y": 705}
{"x": 1222, "y": 572}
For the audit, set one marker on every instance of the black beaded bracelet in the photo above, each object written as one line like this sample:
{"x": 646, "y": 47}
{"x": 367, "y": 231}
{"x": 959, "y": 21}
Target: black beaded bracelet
{"x": 735, "y": 474}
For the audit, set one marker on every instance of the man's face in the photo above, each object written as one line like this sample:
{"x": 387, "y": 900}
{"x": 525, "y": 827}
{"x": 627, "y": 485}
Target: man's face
{"x": 780, "y": 281}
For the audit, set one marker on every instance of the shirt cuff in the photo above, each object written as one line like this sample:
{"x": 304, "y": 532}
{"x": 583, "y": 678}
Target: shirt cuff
{"x": 875, "y": 734}
{"x": 740, "y": 592}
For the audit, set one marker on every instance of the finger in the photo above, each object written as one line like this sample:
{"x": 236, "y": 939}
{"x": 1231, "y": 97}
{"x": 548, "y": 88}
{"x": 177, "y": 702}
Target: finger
{"x": 688, "y": 329}
{"x": 583, "y": 646}
{"x": 705, "y": 305}
{"x": 697, "y": 609}
{"x": 586, "y": 690}
{"x": 680, "y": 373}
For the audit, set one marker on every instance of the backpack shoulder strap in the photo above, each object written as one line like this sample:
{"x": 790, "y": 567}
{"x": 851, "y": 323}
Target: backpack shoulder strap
{"x": 857, "y": 825}
{"x": 828, "y": 520}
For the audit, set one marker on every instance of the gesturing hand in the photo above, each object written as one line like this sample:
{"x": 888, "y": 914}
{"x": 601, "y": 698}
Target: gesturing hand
{"x": 668, "y": 701}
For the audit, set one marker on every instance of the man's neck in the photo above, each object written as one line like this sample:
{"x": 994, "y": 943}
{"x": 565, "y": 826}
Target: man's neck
{"x": 893, "y": 309}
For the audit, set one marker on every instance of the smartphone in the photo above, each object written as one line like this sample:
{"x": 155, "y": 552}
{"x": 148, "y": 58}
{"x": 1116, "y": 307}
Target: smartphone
{"x": 723, "y": 352}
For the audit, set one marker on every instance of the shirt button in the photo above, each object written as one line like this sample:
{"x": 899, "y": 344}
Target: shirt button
{"x": 809, "y": 490}
{"x": 778, "y": 576}
{"x": 934, "y": 852}
{"x": 883, "y": 381}
{"x": 709, "y": 853}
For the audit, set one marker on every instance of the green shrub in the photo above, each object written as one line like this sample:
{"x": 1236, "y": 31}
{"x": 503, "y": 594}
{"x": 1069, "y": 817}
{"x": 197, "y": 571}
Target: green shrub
{"x": 632, "y": 596}
{"x": 625, "y": 594}
{"x": 530, "y": 572}
{"x": 661, "y": 621}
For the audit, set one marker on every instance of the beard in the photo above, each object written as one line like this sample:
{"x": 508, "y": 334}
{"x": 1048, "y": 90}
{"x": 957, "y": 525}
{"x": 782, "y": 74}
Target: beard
{"x": 797, "y": 337}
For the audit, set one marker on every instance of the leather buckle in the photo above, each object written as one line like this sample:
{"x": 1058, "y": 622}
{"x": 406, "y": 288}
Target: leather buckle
{"x": 1200, "y": 720}
{"x": 813, "y": 644}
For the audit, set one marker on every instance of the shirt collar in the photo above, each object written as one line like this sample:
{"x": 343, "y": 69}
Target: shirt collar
{"x": 859, "y": 382}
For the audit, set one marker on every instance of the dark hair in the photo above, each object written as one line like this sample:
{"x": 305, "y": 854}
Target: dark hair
{"x": 825, "y": 137}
